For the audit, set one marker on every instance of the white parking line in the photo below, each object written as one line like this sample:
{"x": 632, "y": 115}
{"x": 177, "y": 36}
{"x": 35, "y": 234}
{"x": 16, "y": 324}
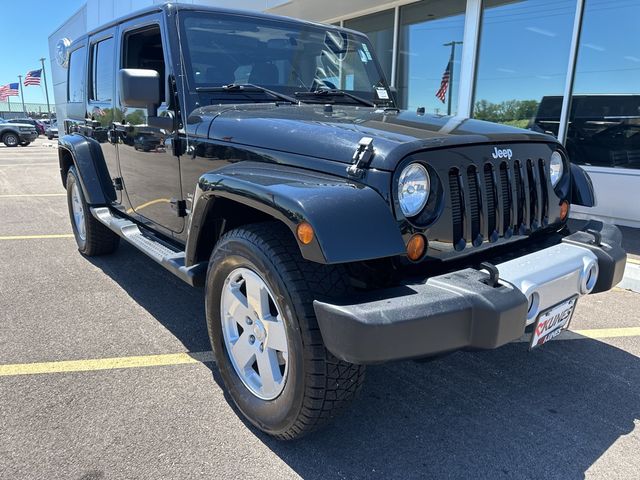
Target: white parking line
{"x": 24, "y": 165}
{"x": 21, "y": 195}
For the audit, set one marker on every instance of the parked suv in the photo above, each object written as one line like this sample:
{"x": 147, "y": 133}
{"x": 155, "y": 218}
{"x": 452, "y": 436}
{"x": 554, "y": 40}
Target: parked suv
{"x": 265, "y": 159}
{"x": 29, "y": 121}
{"x": 52, "y": 131}
{"x": 14, "y": 134}
{"x": 604, "y": 130}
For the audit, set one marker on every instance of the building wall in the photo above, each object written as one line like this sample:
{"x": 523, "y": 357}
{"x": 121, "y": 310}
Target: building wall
{"x": 73, "y": 28}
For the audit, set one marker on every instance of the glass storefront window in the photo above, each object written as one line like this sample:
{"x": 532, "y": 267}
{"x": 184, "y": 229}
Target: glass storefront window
{"x": 379, "y": 28}
{"x": 522, "y": 62}
{"x": 430, "y": 38}
{"x": 604, "y": 120}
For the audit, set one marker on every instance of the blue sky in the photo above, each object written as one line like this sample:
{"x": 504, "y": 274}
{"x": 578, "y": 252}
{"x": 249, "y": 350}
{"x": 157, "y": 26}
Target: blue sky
{"x": 25, "y": 25}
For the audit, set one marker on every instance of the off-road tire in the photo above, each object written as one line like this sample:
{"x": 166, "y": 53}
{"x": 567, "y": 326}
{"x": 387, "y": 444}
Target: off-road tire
{"x": 11, "y": 139}
{"x": 99, "y": 240}
{"x": 318, "y": 385}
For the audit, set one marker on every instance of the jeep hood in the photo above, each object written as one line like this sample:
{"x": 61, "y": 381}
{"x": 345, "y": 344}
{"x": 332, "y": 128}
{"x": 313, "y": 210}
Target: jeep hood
{"x": 311, "y": 130}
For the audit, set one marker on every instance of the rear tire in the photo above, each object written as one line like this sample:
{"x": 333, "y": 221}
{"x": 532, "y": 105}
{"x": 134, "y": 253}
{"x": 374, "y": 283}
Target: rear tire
{"x": 92, "y": 237}
{"x": 315, "y": 385}
{"x": 10, "y": 139}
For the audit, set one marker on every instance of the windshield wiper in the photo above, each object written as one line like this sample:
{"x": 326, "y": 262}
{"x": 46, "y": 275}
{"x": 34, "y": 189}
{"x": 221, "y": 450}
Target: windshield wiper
{"x": 247, "y": 88}
{"x": 335, "y": 93}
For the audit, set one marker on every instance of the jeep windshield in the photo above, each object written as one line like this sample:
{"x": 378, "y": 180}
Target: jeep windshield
{"x": 311, "y": 63}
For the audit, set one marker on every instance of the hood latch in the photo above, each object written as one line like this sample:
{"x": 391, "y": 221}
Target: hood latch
{"x": 361, "y": 157}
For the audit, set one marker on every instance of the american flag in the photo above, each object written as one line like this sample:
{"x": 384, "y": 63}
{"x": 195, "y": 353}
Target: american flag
{"x": 444, "y": 83}
{"x": 32, "y": 78}
{"x": 8, "y": 90}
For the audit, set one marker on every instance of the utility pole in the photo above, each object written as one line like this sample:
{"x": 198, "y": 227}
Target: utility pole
{"x": 451, "y": 44}
{"x": 24, "y": 110}
{"x": 46, "y": 89}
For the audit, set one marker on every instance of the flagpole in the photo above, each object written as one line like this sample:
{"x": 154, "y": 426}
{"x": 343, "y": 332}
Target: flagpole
{"x": 24, "y": 110}
{"x": 451, "y": 71}
{"x": 46, "y": 89}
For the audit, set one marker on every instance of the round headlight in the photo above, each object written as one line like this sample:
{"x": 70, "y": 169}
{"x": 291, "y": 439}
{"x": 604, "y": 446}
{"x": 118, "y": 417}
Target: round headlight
{"x": 413, "y": 189}
{"x": 556, "y": 168}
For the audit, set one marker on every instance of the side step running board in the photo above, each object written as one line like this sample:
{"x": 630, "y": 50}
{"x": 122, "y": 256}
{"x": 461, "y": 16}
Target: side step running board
{"x": 172, "y": 260}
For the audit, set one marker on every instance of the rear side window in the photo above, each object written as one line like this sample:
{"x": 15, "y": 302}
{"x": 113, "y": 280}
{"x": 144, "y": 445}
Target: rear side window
{"x": 76, "y": 80}
{"x": 102, "y": 66}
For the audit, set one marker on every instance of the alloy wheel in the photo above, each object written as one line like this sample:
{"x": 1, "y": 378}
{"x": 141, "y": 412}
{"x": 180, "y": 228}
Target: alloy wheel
{"x": 254, "y": 333}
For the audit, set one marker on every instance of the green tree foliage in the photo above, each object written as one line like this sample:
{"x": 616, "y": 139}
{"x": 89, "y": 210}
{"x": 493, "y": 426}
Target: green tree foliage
{"x": 512, "y": 112}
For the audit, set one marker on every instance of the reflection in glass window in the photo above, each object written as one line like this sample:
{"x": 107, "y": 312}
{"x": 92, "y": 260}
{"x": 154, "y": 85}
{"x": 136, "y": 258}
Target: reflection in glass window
{"x": 102, "y": 70}
{"x": 76, "y": 81}
{"x": 522, "y": 62}
{"x": 430, "y": 47}
{"x": 604, "y": 123}
{"x": 379, "y": 28}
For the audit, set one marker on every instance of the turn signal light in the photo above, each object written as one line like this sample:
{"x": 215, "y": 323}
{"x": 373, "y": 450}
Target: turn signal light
{"x": 564, "y": 210}
{"x": 305, "y": 233}
{"x": 416, "y": 247}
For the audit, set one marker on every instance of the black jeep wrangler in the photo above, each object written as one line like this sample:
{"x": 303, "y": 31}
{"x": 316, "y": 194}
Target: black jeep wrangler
{"x": 265, "y": 159}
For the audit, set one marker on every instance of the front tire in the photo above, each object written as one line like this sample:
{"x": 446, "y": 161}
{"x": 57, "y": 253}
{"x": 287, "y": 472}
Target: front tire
{"x": 260, "y": 317}
{"x": 92, "y": 237}
{"x": 11, "y": 139}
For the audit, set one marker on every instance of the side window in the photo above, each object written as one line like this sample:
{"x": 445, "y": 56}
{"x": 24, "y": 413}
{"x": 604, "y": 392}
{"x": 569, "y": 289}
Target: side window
{"x": 102, "y": 58}
{"x": 143, "y": 49}
{"x": 76, "y": 80}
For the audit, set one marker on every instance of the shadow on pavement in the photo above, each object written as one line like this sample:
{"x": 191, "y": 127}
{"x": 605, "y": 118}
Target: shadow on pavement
{"x": 507, "y": 413}
{"x": 504, "y": 413}
{"x": 176, "y": 305}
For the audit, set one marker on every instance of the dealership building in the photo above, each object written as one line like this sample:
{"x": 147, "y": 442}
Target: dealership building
{"x": 570, "y": 68}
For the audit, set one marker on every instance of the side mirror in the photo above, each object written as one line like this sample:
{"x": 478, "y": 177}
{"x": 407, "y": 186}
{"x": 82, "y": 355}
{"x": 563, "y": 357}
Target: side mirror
{"x": 140, "y": 89}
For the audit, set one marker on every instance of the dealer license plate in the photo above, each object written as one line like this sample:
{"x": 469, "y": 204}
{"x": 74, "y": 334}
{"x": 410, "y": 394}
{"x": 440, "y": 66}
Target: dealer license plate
{"x": 551, "y": 322}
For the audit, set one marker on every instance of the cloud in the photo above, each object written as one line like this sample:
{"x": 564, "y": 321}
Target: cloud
{"x": 632, "y": 58}
{"x": 592, "y": 46}
{"x": 546, "y": 33}
{"x": 506, "y": 70}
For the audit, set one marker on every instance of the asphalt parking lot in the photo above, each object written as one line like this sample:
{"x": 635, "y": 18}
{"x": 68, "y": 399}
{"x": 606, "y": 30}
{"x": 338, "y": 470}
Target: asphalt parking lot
{"x": 105, "y": 372}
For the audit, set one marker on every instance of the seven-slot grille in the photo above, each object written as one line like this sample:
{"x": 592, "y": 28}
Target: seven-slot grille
{"x": 497, "y": 200}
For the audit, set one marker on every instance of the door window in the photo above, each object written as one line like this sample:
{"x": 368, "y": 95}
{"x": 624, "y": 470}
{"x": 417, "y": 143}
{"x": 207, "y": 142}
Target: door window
{"x": 143, "y": 49}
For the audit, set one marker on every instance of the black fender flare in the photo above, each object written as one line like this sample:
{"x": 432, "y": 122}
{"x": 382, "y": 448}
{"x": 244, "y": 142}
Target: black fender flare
{"x": 88, "y": 159}
{"x": 582, "y": 192}
{"x": 351, "y": 221}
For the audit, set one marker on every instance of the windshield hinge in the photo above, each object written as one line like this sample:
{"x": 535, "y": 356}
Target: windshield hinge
{"x": 361, "y": 157}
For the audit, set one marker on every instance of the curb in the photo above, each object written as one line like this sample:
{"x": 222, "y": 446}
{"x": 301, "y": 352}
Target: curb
{"x": 631, "y": 278}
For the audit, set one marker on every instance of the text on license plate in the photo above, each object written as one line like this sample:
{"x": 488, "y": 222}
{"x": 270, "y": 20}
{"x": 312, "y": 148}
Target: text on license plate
{"x": 551, "y": 322}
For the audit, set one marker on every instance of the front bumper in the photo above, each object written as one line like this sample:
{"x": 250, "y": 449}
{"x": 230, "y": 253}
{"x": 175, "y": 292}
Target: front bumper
{"x": 27, "y": 137}
{"x": 464, "y": 309}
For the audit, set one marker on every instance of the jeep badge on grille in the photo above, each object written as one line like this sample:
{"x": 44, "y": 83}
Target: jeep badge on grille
{"x": 502, "y": 153}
